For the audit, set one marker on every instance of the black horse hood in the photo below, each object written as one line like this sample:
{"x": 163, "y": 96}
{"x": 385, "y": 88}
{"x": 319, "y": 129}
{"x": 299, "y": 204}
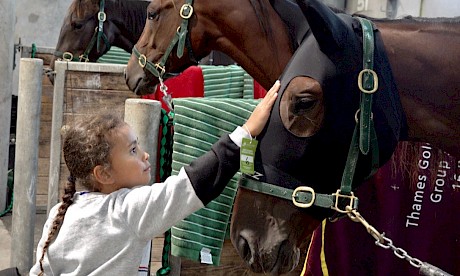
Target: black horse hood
{"x": 318, "y": 161}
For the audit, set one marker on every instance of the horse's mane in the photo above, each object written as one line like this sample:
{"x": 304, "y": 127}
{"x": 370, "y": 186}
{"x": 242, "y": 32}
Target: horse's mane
{"x": 406, "y": 162}
{"x": 79, "y": 8}
{"x": 74, "y": 9}
{"x": 262, "y": 16}
{"x": 134, "y": 13}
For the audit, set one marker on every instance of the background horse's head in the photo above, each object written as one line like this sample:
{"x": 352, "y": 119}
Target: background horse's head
{"x": 91, "y": 27}
{"x": 308, "y": 137}
{"x": 178, "y": 33}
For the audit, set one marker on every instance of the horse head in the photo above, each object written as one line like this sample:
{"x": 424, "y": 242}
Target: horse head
{"x": 164, "y": 48}
{"x": 179, "y": 33}
{"x": 302, "y": 153}
{"x": 91, "y": 27}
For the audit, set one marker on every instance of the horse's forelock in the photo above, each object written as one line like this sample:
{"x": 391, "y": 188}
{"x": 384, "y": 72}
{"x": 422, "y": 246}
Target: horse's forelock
{"x": 80, "y": 8}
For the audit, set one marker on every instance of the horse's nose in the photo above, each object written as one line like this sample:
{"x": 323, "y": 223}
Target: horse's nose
{"x": 247, "y": 251}
{"x": 243, "y": 248}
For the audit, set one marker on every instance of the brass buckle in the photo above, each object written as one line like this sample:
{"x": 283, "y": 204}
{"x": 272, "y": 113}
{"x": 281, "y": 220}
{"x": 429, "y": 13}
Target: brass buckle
{"x": 83, "y": 58}
{"x": 303, "y": 189}
{"x": 186, "y": 8}
{"x": 67, "y": 56}
{"x": 162, "y": 68}
{"x": 142, "y": 60}
{"x": 101, "y": 16}
{"x": 338, "y": 195}
{"x": 360, "y": 81}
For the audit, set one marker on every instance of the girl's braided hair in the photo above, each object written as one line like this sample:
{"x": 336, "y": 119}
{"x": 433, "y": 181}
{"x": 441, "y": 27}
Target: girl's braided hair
{"x": 86, "y": 145}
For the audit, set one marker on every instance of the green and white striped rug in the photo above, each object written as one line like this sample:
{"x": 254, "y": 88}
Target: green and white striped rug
{"x": 199, "y": 123}
{"x": 115, "y": 56}
{"x": 227, "y": 81}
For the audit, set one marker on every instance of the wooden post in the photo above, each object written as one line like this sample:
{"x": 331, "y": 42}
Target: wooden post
{"x": 55, "y": 140}
{"x": 144, "y": 117}
{"x": 7, "y": 20}
{"x": 26, "y": 163}
{"x": 62, "y": 69}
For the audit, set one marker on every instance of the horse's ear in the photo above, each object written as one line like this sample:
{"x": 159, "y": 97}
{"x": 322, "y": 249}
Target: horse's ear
{"x": 329, "y": 30}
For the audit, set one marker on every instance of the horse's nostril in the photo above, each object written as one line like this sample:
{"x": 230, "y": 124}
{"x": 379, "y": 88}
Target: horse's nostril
{"x": 245, "y": 250}
{"x": 249, "y": 255}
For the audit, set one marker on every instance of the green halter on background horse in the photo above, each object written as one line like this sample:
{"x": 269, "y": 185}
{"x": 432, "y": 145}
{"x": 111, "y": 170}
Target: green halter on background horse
{"x": 92, "y": 27}
{"x": 95, "y": 39}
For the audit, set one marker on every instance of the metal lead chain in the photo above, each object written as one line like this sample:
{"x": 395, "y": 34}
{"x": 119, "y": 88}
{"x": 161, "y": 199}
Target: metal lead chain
{"x": 166, "y": 97}
{"x": 398, "y": 251}
{"x": 387, "y": 243}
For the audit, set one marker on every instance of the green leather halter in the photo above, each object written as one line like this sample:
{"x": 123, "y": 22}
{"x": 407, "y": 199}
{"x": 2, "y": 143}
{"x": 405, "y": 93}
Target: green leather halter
{"x": 96, "y": 38}
{"x": 364, "y": 140}
{"x": 158, "y": 69}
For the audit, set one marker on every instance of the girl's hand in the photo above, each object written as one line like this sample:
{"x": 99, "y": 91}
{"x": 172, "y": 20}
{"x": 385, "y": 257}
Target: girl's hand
{"x": 259, "y": 117}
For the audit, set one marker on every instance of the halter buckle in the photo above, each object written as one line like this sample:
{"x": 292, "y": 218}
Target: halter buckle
{"x": 162, "y": 69}
{"x": 374, "y": 77}
{"x": 101, "y": 16}
{"x": 83, "y": 58}
{"x": 352, "y": 202}
{"x": 142, "y": 60}
{"x": 307, "y": 190}
{"x": 186, "y": 11}
{"x": 67, "y": 56}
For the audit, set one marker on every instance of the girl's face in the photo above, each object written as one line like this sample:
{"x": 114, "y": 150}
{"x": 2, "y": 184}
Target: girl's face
{"x": 129, "y": 165}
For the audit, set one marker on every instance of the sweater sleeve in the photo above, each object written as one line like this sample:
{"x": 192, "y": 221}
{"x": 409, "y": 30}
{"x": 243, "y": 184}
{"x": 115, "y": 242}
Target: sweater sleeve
{"x": 150, "y": 210}
{"x": 210, "y": 173}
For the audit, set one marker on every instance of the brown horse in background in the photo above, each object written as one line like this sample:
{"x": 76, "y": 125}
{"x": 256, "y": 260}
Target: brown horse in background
{"x": 250, "y": 32}
{"x": 80, "y": 38}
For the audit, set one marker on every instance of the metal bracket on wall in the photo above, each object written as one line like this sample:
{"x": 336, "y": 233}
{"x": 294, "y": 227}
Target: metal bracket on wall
{"x": 17, "y": 48}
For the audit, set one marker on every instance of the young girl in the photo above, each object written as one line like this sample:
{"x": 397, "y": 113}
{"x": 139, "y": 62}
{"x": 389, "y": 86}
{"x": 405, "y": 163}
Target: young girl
{"x": 104, "y": 230}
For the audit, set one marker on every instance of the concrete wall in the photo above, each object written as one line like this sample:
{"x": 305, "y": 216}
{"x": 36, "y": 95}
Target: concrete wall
{"x": 39, "y": 21}
{"x": 435, "y": 8}
{"x": 400, "y": 8}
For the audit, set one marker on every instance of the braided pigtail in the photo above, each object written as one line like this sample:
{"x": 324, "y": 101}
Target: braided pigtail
{"x": 67, "y": 200}
{"x": 86, "y": 145}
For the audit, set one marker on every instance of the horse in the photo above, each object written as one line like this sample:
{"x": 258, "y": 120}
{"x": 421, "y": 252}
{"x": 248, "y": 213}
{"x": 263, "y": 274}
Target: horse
{"x": 280, "y": 227}
{"x": 265, "y": 58}
{"x": 91, "y": 27}
{"x": 321, "y": 144}
{"x": 250, "y": 32}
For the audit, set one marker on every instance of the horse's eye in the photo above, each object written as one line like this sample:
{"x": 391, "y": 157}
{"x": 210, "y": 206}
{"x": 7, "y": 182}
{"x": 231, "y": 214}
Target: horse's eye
{"x": 76, "y": 26}
{"x": 151, "y": 15}
{"x": 303, "y": 105}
